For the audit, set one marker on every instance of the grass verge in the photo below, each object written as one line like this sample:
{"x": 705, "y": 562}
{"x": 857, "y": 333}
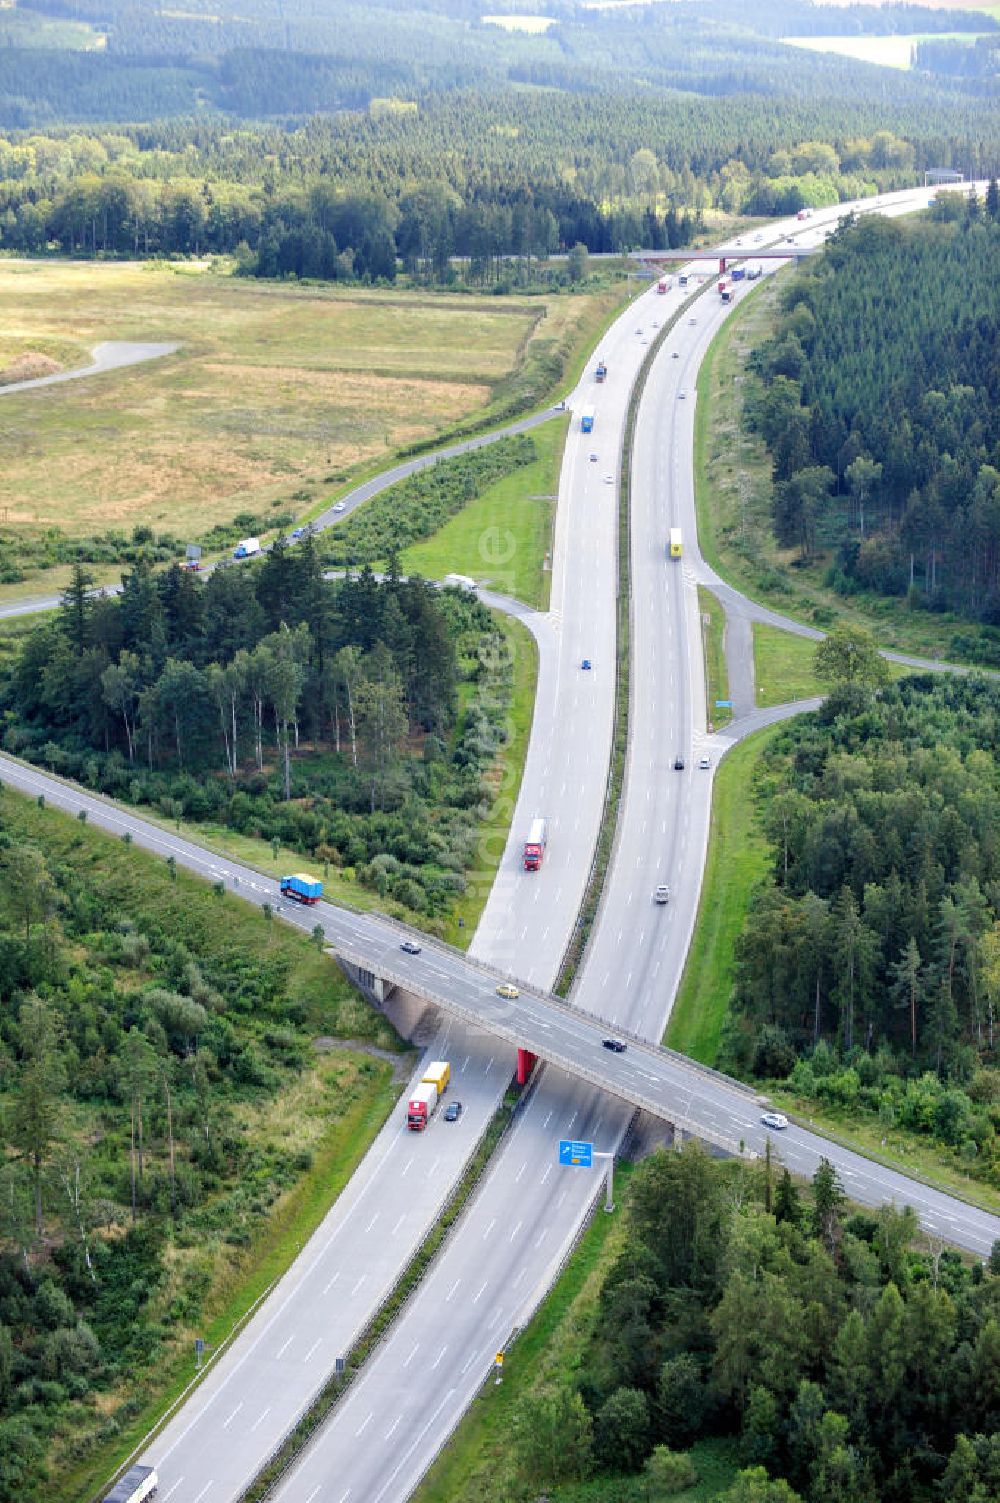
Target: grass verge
{"x": 478, "y": 1463}
{"x": 783, "y": 666}
{"x": 505, "y": 780}
{"x": 713, "y": 627}
{"x": 390, "y": 1309}
{"x": 716, "y": 1461}
{"x": 906, "y": 1152}
{"x": 738, "y": 856}
{"x": 503, "y": 538}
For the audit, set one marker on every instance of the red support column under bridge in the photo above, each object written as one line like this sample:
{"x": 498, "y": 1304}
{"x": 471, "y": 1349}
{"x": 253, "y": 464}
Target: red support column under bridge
{"x": 525, "y": 1065}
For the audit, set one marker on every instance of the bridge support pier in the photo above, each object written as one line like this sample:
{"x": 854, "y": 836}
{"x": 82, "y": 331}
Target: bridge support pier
{"x": 374, "y": 987}
{"x": 525, "y": 1065}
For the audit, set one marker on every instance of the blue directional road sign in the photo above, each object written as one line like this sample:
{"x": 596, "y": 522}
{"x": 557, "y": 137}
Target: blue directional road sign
{"x": 580, "y": 1155}
{"x": 723, "y": 704}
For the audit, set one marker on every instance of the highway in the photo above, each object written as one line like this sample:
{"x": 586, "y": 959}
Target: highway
{"x": 525, "y": 927}
{"x": 513, "y": 1239}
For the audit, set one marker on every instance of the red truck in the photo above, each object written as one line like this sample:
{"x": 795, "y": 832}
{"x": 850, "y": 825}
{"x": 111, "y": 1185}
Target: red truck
{"x": 423, "y": 1103}
{"x": 534, "y": 846}
{"x": 663, "y": 285}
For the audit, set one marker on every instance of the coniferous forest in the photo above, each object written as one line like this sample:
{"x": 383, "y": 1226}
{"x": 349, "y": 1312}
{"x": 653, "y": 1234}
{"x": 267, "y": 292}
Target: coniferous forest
{"x": 851, "y": 1360}
{"x": 321, "y": 147}
{"x": 352, "y": 720}
{"x": 868, "y": 972}
{"x": 881, "y": 409}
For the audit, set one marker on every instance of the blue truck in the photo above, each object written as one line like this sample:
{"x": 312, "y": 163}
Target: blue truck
{"x": 302, "y": 889}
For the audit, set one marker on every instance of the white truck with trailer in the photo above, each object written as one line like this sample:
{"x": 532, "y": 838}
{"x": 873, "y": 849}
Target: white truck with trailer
{"x": 137, "y": 1484}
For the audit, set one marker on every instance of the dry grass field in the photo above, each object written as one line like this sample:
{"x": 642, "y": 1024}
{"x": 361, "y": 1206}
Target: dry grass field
{"x": 276, "y": 389}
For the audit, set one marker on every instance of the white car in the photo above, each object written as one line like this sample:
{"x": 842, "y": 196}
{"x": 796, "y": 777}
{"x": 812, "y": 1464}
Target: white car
{"x": 340, "y": 506}
{"x": 681, "y": 395}
{"x": 775, "y": 1120}
{"x": 704, "y": 763}
{"x": 662, "y": 894}
{"x": 609, "y": 480}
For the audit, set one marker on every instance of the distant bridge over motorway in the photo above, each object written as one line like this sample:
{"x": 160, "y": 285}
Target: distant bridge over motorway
{"x": 723, "y": 254}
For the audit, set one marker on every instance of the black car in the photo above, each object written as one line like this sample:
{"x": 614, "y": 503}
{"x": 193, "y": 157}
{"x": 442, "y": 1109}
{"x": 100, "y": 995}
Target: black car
{"x": 678, "y": 764}
{"x": 410, "y": 947}
{"x": 615, "y": 1045}
{"x": 453, "y": 1111}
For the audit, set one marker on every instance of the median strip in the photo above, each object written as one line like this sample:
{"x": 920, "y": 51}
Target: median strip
{"x": 288, "y": 1453}
{"x": 604, "y": 849}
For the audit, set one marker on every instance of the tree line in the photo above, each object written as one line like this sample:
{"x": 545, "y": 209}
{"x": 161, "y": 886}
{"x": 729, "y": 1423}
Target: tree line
{"x": 319, "y": 714}
{"x": 369, "y": 190}
{"x": 880, "y": 409}
{"x": 851, "y": 1359}
{"x": 868, "y": 971}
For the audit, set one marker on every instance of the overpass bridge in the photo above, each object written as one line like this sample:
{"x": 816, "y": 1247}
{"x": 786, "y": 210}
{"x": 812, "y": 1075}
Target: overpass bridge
{"x": 695, "y": 1099}
{"x": 654, "y": 261}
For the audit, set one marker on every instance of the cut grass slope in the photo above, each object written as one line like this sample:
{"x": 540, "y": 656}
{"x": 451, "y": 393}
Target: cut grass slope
{"x": 737, "y": 860}
{"x": 502, "y": 539}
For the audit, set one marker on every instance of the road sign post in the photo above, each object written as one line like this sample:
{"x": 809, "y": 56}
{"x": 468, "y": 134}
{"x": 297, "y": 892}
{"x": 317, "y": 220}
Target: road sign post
{"x": 581, "y": 1156}
{"x": 609, "y": 1182}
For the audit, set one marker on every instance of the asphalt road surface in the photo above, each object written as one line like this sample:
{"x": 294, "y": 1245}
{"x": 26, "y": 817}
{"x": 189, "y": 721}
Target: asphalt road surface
{"x": 496, "y": 1267}
{"x": 110, "y": 355}
{"x": 525, "y": 927}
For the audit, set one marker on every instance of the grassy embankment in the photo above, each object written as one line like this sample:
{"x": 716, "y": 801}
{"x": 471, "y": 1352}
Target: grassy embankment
{"x": 737, "y": 860}
{"x": 733, "y": 497}
{"x": 503, "y": 538}
{"x": 278, "y": 397}
{"x": 479, "y": 1463}
{"x": 713, "y": 627}
{"x": 298, "y": 1118}
{"x": 783, "y": 667}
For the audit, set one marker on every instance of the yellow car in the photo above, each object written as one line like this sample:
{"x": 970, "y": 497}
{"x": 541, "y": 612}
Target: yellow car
{"x": 506, "y": 990}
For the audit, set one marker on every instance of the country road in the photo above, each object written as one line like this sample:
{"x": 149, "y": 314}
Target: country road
{"x": 109, "y": 355}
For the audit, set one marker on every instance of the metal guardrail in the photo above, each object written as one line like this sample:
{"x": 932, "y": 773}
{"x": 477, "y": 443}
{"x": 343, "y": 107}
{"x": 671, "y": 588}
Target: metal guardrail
{"x": 517, "y": 1034}
{"x": 549, "y": 1000}
{"x": 467, "y": 1192}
